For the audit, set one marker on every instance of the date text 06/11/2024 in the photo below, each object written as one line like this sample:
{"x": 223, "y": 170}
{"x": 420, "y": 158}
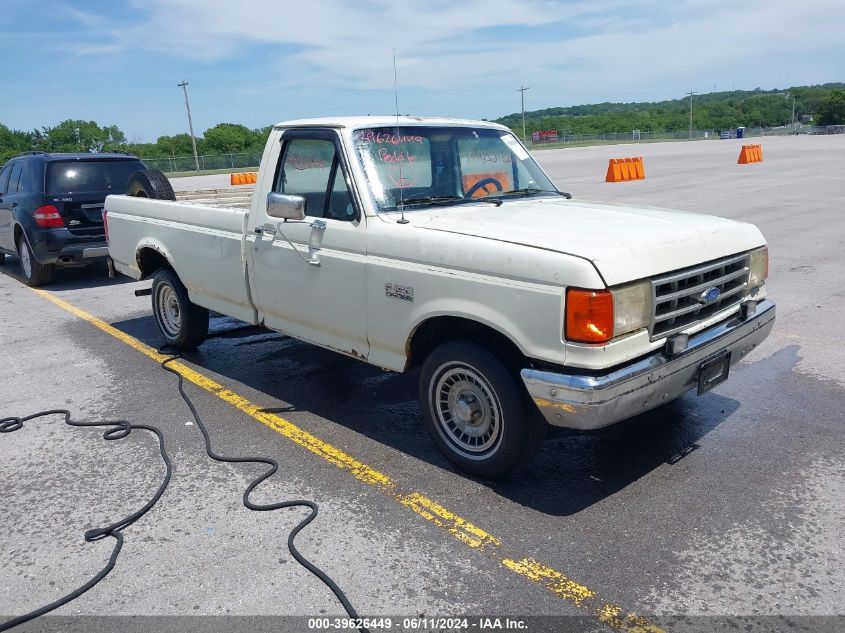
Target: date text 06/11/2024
{"x": 419, "y": 624}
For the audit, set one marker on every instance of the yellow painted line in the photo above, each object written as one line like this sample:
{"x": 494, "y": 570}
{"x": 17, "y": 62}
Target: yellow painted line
{"x": 460, "y": 528}
{"x": 580, "y": 596}
{"x": 463, "y": 530}
{"x": 553, "y": 580}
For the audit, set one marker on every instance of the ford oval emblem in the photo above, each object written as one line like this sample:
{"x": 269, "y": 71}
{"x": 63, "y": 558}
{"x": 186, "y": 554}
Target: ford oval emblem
{"x": 710, "y": 295}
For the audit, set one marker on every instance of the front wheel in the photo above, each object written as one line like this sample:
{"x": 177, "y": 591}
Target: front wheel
{"x": 34, "y": 273}
{"x": 476, "y": 412}
{"x": 183, "y": 324}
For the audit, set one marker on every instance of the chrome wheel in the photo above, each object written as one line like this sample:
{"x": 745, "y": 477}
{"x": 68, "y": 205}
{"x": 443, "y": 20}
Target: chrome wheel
{"x": 167, "y": 310}
{"x": 26, "y": 260}
{"x": 466, "y": 410}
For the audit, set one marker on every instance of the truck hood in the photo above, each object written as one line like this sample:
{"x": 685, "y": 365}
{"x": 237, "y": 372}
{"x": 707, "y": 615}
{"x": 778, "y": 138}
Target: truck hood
{"x": 624, "y": 243}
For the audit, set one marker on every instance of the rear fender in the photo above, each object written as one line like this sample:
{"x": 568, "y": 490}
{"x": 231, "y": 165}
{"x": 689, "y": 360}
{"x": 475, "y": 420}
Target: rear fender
{"x": 143, "y": 268}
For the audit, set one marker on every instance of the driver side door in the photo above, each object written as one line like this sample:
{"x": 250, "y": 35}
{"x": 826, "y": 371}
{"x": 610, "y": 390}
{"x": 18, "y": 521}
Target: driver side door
{"x": 323, "y": 304}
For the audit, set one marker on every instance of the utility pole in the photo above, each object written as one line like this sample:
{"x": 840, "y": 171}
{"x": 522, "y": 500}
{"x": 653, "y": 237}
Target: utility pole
{"x": 522, "y": 89}
{"x": 690, "y": 93}
{"x": 184, "y": 87}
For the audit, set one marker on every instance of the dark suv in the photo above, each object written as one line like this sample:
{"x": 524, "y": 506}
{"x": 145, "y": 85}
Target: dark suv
{"x": 51, "y": 208}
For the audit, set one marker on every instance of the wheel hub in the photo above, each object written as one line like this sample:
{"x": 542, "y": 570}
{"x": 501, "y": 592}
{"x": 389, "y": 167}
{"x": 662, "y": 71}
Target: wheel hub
{"x": 467, "y": 412}
{"x": 168, "y": 313}
{"x": 468, "y": 409}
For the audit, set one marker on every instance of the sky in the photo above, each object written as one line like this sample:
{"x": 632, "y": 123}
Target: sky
{"x": 257, "y": 62}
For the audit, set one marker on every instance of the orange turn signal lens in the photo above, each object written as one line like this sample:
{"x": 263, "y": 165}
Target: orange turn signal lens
{"x": 589, "y": 315}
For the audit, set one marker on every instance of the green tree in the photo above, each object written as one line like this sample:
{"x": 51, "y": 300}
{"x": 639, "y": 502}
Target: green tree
{"x": 13, "y": 142}
{"x": 82, "y": 136}
{"x": 178, "y": 145}
{"x": 832, "y": 109}
{"x": 226, "y": 138}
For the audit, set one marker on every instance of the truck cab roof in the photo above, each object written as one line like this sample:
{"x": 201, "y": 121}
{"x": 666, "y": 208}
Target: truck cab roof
{"x": 384, "y": 121}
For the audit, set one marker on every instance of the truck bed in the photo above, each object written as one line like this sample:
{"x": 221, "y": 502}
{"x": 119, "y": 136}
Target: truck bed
{"x": 205, "y": 244}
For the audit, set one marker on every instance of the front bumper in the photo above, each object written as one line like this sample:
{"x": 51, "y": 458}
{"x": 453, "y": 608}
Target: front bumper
{"x": 592, "y": 401}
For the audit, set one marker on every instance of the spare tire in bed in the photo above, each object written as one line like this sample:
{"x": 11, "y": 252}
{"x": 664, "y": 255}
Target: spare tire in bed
{"x": 150, "y": 183}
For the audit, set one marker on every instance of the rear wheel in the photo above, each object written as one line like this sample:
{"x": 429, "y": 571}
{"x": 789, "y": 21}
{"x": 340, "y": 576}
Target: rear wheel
{"x": 476, "y": 412}
{"x": 34, "y": 272}
{"x": 183, "y": 324}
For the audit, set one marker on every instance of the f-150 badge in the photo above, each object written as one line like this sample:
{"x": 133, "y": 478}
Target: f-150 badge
{"x": 406, "y": 293}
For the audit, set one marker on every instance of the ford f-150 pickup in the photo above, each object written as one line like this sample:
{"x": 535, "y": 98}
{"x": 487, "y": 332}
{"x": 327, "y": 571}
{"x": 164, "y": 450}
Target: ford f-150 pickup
{"x": 442, "y": 244}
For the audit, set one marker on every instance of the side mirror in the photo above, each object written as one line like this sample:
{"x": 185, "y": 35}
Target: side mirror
{"x": 285, "y": 207}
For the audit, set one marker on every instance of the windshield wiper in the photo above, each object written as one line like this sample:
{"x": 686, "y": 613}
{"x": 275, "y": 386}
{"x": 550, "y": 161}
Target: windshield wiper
{"x": 531, "y": 191}
{"x": 430, "y": 199}
{"x": 436, "y": 199}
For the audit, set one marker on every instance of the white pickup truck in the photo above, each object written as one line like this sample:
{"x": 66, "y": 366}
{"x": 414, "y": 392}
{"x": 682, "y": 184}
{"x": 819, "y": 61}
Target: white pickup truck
{"x": 442, "y": 244}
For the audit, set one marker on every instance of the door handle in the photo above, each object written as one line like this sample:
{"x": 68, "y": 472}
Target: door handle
{"x": 13, "y": 205}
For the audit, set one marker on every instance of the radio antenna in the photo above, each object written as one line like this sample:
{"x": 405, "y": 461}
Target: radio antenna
{"x": 402, "y": 219}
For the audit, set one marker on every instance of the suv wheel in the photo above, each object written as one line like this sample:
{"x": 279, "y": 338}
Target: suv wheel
{"x": 476, "y": 412}
{"x": 34, "y": 272}
{"x": 183, "y": 324}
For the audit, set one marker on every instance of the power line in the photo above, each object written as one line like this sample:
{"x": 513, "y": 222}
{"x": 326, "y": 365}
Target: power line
{"x": 184, "y": 87}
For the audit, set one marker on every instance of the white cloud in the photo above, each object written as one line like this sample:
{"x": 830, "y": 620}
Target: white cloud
{"x": 338, "y": 44}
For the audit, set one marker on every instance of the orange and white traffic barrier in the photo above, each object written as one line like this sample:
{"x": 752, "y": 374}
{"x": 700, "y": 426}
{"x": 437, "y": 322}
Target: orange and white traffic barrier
{"x": 750, "y": 154}
{"x": 621, "y": 169}
{"x": 244, "y": 178}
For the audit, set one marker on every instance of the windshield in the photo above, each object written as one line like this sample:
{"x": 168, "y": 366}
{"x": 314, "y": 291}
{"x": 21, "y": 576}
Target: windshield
{"x": 413, "y": 166}
{"x": 90, "y": 176}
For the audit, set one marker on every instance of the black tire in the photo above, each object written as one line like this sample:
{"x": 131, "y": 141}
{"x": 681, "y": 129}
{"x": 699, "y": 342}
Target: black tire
{"x": 34, "y": 272}
{"x": 493, "y": 404}
{"x": 150, "y": 183}
{"x": 183, "y": 324}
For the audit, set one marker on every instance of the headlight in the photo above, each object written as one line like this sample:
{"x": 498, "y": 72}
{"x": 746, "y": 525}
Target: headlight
{"x": 759, "y": 268}
{"x": 597, "y": 316}
{"x": 631, "y": 307}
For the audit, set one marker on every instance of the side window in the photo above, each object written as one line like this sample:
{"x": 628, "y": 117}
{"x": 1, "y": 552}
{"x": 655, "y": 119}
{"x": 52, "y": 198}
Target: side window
{"x": 305, "y": 171}
{"x": 4, "y": 179}
{"x": 14, "y": 178}
{"x": 340, "y": 203}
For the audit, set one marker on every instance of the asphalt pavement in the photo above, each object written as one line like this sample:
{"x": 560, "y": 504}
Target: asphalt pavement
{"x": 714, "y": 508}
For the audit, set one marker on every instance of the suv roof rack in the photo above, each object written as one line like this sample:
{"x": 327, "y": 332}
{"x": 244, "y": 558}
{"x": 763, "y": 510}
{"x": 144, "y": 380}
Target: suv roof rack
{"x": 116, "y": 151}
{"x": 32, "y": 152}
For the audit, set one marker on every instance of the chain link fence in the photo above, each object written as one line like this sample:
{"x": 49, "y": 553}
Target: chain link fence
{"x": 208, "y": 162}
{"x": 636, "y": 136}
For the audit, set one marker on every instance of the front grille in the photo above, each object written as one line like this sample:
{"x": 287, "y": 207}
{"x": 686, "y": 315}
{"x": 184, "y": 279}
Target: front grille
{"x": 678, "y": 297}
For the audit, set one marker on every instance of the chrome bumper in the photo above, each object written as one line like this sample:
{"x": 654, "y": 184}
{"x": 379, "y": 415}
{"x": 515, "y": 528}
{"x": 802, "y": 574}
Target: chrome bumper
{"x": 591, "y": 401}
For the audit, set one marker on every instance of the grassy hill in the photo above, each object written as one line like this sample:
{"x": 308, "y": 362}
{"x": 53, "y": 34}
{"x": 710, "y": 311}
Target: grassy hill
{"x": 711, "y": 111}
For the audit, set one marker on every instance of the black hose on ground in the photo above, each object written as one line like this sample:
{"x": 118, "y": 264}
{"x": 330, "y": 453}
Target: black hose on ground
{"x": 119, "y": 429}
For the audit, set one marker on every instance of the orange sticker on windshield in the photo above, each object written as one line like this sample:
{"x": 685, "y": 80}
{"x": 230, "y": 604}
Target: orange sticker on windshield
{"x": 487, "y": 184}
